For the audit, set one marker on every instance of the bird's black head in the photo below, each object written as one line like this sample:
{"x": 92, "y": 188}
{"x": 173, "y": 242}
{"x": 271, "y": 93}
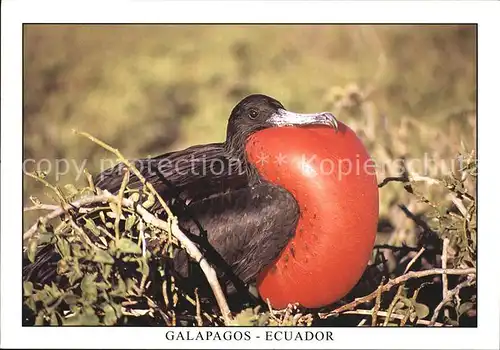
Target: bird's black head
{"x": 257, "y": 112}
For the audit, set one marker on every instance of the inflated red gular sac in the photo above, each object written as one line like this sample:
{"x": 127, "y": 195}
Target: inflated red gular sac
{"x": 330, "y": 174}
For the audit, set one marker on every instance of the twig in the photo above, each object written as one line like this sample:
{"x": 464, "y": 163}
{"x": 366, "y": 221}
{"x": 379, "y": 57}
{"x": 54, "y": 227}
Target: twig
{"x": 142, "y": 237}
{"x": 376, "y": 308}
{"x": 459, "y": 204}
{"x": 62, "y": 209}
{"x": 49, "y": 185}
{"x": 412, "y": 261}
{"x": 198, "y": 308}
{"x": 393, "y": 304}
{"x": 164, "y": 293}
{"x": 163, "y": 315}
{"x": 81, "y": 233}
{"x": 386, "y": 314}
{"x": 41, "y": 207}
{"x": 410, "y": 178}
{"x": 362, "y": 322}
{"x": 191, "y": 301}
{"x": 149, "y": 218}
{"x": 271, "y": 311}
{"x": 130, "y": 166}
{"x": 394, "y": 247}
{"x": 394, "y": 282}
{"x": 449, "y": 296}
{"x": 411, "y": 309}
{"x": 119, "y": 203}
{"x": 392, "y": 179}
{"x": 444, "y": 264}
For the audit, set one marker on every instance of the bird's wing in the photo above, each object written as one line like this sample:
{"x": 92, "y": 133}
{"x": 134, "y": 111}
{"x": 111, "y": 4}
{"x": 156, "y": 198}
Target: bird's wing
{"x": 247, "y": 228}
{"x": 191, "y": 174}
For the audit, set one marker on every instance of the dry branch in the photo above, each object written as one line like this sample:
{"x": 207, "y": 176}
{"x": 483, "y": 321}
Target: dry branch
{"x": 395, "y": 282}
{"x": 386, "y": 313}
{"x": 449, "y": 296}
{"x": 412, "y": 261}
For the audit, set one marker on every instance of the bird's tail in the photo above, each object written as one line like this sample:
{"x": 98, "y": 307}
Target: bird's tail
{"x": 44, "y": 268}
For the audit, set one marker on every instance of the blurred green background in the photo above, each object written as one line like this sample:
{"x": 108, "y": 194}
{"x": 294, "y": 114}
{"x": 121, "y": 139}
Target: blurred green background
{"x": 148, "y": 89}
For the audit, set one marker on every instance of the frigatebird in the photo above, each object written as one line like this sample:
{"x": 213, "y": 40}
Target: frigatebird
{"x": 220, "y": 194}
{"x": 214, "y": 189}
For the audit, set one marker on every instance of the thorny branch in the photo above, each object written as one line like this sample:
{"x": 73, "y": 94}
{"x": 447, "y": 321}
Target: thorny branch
{"x": 394, "y": 282}
{"x": 450, "y": 295}
{"x": 386, "y": 313}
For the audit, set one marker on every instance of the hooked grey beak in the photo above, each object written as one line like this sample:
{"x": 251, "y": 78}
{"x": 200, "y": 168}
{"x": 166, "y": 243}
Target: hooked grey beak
{"x": 287, "y": 118}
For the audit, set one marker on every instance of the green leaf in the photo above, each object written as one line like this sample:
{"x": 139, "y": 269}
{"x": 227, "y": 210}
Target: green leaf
{"x": 62, "y": 267}
{"x": 85, "y": 317}
{"x": 77, "y": 250}
{"x": 130, "y": 283}
{"x": 463, "y": 308}
{"x": 54, "y": 290}
{"x": 129, "y": 258}
{"x": 118, "y": 309}
{"x": 129, "y": 223}
{"x": 149, "y": 202}
{"x": 143, "y": 267}
{"x": 134, "y": 197}
{"x": 74, "y": 308}
{"x": 88, "y": 317}
{"x": 103, "y": 285}
{"x": 53, "y": 320}
{"x": 103, "y": 256}
{"x": 89, "y": 289}
{"x": 400, "y": 307}
{"x": 45, "y": 296}
{"x": 42, "y": 226}
{"x": 120, "y": 289}
{"x": 63, "y": 247}
{"x": 70, "y": 298}
{"x": 109, "y": 315}
{"x": 127, "y": 246}
{"x": 40, "y": 174}
{"x": 422, "y": 310}
{"x": 28, "y": 288}
{"x": 46, "y": 237}
{"x": 90, "y": 224}
{"x": 39, "y": 321}
{"x": 106, "y": 271}
{"x": 30, "y": 302}
{"x": 101, "y": 215}
{"x": 114, "y": 209}
{"x": 105, "y": 296}
{"x": 245, "y": 318}
{"x": 31, "y": 249}
{"x": 75, "y": 274}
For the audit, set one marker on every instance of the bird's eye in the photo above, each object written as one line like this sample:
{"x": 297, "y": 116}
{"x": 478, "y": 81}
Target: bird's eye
{"x": 253, "y": 114}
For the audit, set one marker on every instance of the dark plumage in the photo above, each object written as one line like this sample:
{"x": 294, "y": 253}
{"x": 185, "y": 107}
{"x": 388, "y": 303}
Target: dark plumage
{"x": 219, "y": 197}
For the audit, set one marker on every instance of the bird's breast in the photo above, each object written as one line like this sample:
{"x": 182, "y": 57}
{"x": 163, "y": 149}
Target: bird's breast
{"x": 333, "y": 179}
